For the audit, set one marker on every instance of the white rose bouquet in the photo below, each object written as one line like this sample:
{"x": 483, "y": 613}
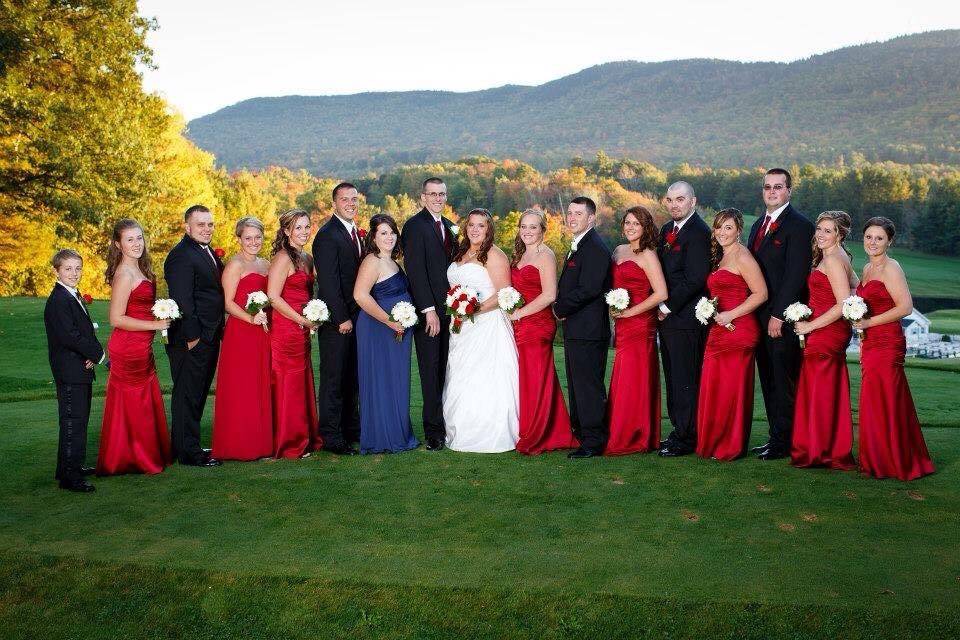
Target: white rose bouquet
{"x": 316, "y": 311}
{"x": 794, "y": 314}
{"x": 510, "y": 300}
{"x": 406, "y": 314}
{"x": 165, "y": 309}
{"x": 618, "y": 300}
{"x": 461, "y": 304}
{"x": 257, "y": 301}
{"x": 707, "y": 309}
{"x": 854, "y": 309}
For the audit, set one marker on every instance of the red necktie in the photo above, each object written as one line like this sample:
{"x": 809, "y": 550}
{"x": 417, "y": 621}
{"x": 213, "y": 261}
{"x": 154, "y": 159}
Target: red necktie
{"x": 760, "y": 234}
{"x": 356, "y": 241}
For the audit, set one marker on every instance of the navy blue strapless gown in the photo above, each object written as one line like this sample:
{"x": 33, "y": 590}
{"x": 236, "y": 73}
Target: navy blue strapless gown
{"x": 383, "y": 367}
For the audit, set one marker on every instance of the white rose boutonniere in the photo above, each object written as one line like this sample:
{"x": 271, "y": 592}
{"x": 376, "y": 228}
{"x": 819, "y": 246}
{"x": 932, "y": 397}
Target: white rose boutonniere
{"x": 454, "y": 230}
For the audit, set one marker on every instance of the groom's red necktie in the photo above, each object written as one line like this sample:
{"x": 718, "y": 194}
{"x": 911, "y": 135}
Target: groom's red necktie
{"x": 760, "y": 234}
{"x": 356, "y": 241}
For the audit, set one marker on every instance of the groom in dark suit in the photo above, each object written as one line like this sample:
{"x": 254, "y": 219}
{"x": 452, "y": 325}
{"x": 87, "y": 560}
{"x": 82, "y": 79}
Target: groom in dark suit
{"x": 428, "y": 241}
{"x": 781, "y": 243}
{"x": 192, "y": 271}
{"x": 685, "y": 257}
{"x": 336, "y": 256}
{"x": 582, "y": 310}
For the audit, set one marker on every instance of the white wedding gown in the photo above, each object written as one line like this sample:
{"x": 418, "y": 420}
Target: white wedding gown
{"x": 481, "y": 393}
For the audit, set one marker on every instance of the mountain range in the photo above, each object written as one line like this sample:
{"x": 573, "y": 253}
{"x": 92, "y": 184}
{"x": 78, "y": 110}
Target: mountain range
{"x": 894, "y": 100}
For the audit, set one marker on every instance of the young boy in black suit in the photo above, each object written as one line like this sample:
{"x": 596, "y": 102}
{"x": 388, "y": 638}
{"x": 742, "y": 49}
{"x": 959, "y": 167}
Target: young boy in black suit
{"x": 73, "y": 350}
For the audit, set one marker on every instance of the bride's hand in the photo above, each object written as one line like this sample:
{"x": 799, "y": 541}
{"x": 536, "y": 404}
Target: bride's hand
{"x": 515, "y": 316}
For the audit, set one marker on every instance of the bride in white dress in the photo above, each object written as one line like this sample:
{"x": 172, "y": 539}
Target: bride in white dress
{"x": 481, "y": 393}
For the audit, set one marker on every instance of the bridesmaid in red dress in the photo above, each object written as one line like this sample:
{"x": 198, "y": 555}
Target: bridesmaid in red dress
{"x": 725, "y": 409}
{"x": 242, "y": 413}
{"x": 634, "y": 404}
{"x": 822, "y": 426}
{"x": 544, "y": 421}
{"x": 133, "y": 435}
{"x": 891, "y": 443}
{"x": 289, "y": 287}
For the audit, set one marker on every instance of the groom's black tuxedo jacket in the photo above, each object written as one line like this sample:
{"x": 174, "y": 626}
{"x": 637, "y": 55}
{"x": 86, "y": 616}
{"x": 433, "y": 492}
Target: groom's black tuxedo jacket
{"x": 426, "y": 259}
{"x": 336, "y": 262}
{"x": 71, "y": 340}
{"x": 785, "y": 254}
{"x": 584, "y": 281}
{"x": 686, "y": 265}
{"x": 193, "y": 281}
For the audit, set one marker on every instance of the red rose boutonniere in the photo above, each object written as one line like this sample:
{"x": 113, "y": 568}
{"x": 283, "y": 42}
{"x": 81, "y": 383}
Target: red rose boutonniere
{"x": 773, "y": 227}
{"x": 671, "y": 238}
{"x": 87, "y": 299}
{"x": 362, "y": 233}
{"x": 219, "y": 252}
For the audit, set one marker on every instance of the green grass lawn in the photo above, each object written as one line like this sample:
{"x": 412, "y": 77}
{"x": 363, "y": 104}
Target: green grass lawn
{"x": 945, "y": 321}
{"x": 432, "y": 545}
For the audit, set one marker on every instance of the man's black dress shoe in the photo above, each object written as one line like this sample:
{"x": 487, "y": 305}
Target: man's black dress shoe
{"x": 205, "y": 461}
{"x": 435, "y": 444}
{"x": 673, "y": 452}
{"x": 341, "y": 449}
{"x": 87, "y": 471}
{"x": 761, "y": 448}
{"x": 772, "y": 454}
{"x": 79, "y": 486}
{"x": 582, "y": 452}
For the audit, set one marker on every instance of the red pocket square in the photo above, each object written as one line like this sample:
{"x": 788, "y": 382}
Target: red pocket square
{"x": 777, "y": 242}
{"x": 675, "y": 248}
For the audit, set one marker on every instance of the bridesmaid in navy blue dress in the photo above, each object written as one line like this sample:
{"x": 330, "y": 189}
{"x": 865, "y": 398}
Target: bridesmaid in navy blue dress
{"x": 383, "y": 363}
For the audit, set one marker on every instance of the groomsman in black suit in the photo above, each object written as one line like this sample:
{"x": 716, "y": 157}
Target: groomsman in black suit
{"x": 781, "y": 243}
{"x": 428, "y": 241}
{"x": 336, "y": 256}
{"x": 73, "y": 350}
{"x": 582, "y": 310}
{"x": 192, "y": 271}
{"x": 685, "y": 256}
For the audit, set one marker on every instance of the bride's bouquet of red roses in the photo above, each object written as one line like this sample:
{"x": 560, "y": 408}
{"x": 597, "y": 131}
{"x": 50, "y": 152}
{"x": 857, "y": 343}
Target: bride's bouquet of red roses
{"x": 462, "y": 302}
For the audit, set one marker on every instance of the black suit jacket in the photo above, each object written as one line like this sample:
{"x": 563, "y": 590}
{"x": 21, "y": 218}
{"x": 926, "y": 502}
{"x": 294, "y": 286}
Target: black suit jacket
{"x": 193, "y": 281}
{"x": 784, "y": 255}
{"x": 71, "y": 340}
{"x": 584, "y": 282}
{"x": 336, "y": 262}
{"x": 426, "y": 260}
{"x": 686, "y": 265}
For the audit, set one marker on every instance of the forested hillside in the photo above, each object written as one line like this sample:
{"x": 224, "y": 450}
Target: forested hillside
{"x": 897, "y": 100}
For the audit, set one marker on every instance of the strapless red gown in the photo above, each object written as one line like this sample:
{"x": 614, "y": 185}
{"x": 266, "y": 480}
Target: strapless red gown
{"x": 822, "y": 423}
{"x": 242, "y": 411}
{"x": 544, "y": 420}
{"x": 725, "y": 410}
{"x": 634, "y": 406}
{"x": 891, "y": 443}
{"x": 295, "y": 430}
{"x": 133, "y": 435}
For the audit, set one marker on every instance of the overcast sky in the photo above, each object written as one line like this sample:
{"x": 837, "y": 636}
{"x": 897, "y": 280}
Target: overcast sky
{"x": 214, "y": 53}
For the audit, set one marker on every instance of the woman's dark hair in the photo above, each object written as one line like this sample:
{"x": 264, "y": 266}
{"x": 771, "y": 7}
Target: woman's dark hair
{"x": 841, "y": 220}
{"x": 650, "y": 236}
{"x": 282, "y": 242}
{"x": 716, "y": 251}
{"x": 369, "y": 243}
{"x": 464, "y": 245}
{"x": 884, "y": 223}
{"x": 115, "y": 256}
{"x": 519, "y": 248}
